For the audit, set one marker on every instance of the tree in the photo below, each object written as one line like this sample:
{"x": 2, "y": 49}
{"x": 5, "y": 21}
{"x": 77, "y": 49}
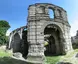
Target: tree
{"x": 4, "y": 26}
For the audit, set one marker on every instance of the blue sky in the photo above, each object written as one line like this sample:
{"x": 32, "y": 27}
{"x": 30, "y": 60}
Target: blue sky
{"x": 16, "y": 11}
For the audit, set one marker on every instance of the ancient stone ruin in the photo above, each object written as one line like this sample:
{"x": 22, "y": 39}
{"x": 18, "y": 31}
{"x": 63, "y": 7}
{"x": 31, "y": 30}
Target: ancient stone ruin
{"x": 30, "y": 39}
{"x": 74, "y": 39}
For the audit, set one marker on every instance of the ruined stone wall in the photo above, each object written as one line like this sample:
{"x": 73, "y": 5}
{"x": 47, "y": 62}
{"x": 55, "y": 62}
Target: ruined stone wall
{"x": 38, "y": 19}
{"x": 16, "y": 39}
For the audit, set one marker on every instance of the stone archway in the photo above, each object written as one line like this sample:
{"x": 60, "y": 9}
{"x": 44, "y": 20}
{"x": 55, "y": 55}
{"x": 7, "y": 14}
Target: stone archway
{"x": 16, "y": 43}
{"x": 52, "y": 34}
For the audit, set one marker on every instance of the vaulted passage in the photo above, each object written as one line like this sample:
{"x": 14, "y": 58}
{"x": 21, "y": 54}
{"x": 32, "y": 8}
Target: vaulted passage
{"x": 52, "y": 36}
{"x": 20, "y": 45}
{"x": 24, "y": 46}
{"x": 51, "y": 48}
{"x": 16, "y": 43}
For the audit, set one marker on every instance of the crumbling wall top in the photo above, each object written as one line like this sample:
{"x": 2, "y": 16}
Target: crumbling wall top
{"x": 47, "y": 5}
{"x": 40, "y": 11}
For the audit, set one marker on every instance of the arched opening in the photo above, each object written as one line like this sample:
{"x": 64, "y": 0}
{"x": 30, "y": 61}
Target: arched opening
{"x": 51, "y": 13}
{"x": 17, "y": 44}
{"x": 52, "y": 36}
{"x": 24, "y": 46}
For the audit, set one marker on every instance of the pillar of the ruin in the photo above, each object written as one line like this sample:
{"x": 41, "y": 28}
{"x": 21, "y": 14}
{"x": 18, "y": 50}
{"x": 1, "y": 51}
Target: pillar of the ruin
{"x": 35, "y": 38}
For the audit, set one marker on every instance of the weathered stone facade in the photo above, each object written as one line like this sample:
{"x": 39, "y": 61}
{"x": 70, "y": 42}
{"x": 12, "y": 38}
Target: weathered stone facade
{"x": 18, "y": 41}
{"x": 40, "y": 27}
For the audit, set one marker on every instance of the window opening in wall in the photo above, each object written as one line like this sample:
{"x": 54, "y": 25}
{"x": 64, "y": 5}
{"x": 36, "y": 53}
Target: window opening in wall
{"x": 51, "y": 13}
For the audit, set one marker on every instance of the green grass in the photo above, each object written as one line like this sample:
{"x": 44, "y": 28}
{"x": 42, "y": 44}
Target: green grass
{"x": 69, "y": 57}
{"x": 52, "y": 59}
{"x": 9, "y": 60}
{"x": 4, "y": 53}
{"x": 5, "y": 58}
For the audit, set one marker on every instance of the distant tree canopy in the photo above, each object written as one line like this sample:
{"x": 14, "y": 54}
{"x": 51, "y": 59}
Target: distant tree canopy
{"x": 4, "y": 26}
{"x": 4, "y": 23}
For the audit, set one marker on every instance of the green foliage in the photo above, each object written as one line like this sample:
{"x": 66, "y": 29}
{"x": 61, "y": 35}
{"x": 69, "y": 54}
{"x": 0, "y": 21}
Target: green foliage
{"x": 75, "y": 45}
{"x": 4, "y": 26}
{"x": 4, "y": 23}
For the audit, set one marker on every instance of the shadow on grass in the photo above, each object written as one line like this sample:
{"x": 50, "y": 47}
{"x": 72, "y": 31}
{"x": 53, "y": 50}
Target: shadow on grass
{"x": 52, "y": 59}
{"x": 9, "y": 60}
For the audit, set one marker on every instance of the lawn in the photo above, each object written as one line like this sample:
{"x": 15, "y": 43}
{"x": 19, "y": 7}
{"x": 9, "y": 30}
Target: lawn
{"x": 4, "y": 53}
{"x": 69, "y": 57}
{"x": 6, "y": 59}
{"x": 52, "y": 59}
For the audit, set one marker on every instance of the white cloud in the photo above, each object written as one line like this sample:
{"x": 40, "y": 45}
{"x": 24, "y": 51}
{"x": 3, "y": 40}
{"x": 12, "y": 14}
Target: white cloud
{"x": 74, "y": 27}
{"x": 8, "y": 32}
